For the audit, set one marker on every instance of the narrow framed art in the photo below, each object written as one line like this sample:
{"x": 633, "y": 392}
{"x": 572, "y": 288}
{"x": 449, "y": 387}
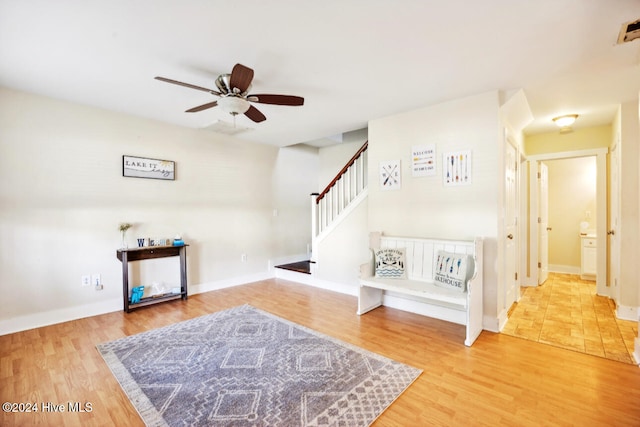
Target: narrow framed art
{"x": 141, "y": 167}
{"x": 457, "y": 168}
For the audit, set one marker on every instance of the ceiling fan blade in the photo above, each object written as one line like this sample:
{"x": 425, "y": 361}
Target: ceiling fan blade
{"x": 202, "y": 107}
{"x": 277, "y": 99}
{"x": 254, "y": 114}
{"x": 241, "y": 78}
{"x": 175, "y": 82}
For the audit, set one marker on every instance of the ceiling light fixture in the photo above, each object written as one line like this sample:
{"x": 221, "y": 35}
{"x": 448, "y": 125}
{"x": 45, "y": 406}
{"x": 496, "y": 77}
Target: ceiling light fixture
{"x": 565, "y": 121}
{"x": 233, "y": 105}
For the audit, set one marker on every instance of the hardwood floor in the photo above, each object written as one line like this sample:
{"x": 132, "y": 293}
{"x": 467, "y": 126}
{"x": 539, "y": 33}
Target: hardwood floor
{"x": 500, "y": 381}
{"x": 566, "y": 312}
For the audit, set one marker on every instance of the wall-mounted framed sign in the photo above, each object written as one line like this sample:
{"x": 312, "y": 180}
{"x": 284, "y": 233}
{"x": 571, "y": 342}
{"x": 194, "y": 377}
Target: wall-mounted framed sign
{"x": 423, "y": 160}
{"x": 390, "y": 175}
{"x": 141, "y": 167}
{"x": 457, "y": 168}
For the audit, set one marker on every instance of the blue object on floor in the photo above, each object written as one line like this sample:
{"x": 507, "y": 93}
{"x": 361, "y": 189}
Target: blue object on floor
{"x": 136, "y": 294}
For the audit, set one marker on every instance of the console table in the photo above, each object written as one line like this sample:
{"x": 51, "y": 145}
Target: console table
{"x": 139, "y": 254}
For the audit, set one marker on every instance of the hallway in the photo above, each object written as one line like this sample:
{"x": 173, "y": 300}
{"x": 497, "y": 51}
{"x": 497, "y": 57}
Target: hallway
{"x": 566, "y": 312}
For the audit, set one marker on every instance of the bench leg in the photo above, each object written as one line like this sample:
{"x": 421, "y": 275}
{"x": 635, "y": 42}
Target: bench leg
{"x": 368, "y": 299}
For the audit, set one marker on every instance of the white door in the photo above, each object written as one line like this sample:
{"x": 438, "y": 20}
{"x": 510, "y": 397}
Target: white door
{"x": 543, "y": 223}
{"x": 511, "y": 225}
{"x": 612, "y": 233}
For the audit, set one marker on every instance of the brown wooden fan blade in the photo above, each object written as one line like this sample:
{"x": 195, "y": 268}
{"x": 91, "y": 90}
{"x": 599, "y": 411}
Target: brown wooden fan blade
{"x": 175, "y": 82}
{"x": 202, "y": 107}
{"x": 277, "y": 99}
{"x": 241, "y": 78}
{"x": 254, "y": 114}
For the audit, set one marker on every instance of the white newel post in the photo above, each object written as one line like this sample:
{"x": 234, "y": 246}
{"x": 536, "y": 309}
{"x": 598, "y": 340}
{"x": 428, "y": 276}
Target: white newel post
{"x": 314, "y": 226}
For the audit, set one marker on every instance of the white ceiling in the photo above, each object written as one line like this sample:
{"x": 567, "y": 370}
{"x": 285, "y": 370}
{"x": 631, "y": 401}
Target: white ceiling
{"x": 352, "y": 60}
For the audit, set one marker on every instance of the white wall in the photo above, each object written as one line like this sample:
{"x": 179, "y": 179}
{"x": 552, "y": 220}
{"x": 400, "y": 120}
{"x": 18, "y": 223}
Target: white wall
{"x": 333, "y": 158}
{"x": 295, "y": 177}
{"x": 423, "y": 207}
{"x": 62, "y": 196}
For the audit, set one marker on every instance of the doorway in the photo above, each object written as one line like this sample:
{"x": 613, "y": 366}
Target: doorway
{"x": 551, "y": 313}
{"x": 599, "y": 224}
{"x": 569, "y": 226}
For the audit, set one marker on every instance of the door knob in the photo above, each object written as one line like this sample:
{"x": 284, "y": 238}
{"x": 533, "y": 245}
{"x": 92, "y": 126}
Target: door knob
{"x": 510, "y": 236}
{"x": 611, "y": 232}
{"x": 549, "y": 228}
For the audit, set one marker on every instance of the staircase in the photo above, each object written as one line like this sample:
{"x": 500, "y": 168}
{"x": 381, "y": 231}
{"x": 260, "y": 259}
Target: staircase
{"x": 342, "y": 195}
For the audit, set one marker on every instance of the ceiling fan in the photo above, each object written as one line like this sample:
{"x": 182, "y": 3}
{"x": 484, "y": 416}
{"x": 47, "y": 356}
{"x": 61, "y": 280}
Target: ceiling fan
{"x": 233, "y": 90}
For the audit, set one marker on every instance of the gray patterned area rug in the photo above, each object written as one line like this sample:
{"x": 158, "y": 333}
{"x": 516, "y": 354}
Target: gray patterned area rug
{"x": 244, "y": 366}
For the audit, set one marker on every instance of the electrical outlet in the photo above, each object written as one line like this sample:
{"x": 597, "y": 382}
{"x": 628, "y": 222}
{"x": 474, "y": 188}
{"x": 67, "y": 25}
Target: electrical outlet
{"x": 96, "y": 279}
{"x": 99, "y": 287}
{"x": 243, "y": 257}
{"x": 86, "y": 280}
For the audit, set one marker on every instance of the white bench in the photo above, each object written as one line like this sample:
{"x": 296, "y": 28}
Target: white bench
{"x": 463, "y": 308}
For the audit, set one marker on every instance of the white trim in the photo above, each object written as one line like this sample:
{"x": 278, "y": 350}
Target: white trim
{"x": 228, "y": 283}
{"x": 601, "y": 210}
{"x": 564, "y": 269}
{"x": 37, "y": 320}
{"x": 309, "y": 280}
{"x": 491, "y": 324}
{"x": 636, "y": 353}
{"x": 625, "y": 312}
{"x": 23, "y": 323}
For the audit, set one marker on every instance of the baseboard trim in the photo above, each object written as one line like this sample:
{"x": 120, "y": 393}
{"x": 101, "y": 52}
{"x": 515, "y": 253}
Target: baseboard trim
{"x": 229, "y": 283}
{"x": 564, "y": 269}
{"x": 491, "y": 324}
{"x": 47, "y": 318}
{"x": 310, "y": 280}
{"x": 625, "y": 312}
{"x": 52, "y": 317}
{"x": 636, "y": 353}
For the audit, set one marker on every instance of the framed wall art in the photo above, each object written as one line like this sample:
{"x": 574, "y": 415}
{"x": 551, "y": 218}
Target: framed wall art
{"x": 423, "y": 160}
{"x": 141, "y": 167}
{"x": 457, "y": 168}
{"x": 390, "y": 175}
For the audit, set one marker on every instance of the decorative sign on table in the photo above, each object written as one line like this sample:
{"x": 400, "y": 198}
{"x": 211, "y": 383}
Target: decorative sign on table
{"x": 457, "y": 168}
{"x": 423, "y": 160}
{"x": 140, "y": 167}
{"x": 390, "y": 175}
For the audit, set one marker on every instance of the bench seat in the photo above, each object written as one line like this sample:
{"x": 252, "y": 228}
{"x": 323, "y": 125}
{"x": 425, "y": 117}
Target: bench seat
{"x": 435, "y": 301}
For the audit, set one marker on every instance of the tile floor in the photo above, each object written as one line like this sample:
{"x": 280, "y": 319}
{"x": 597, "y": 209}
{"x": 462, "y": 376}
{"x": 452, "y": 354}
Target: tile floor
{"x": 566, "y": 312}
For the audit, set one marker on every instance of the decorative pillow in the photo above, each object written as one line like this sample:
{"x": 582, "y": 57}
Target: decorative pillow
{"x": 390, "y": 263}
{"x": 450, "y": 271}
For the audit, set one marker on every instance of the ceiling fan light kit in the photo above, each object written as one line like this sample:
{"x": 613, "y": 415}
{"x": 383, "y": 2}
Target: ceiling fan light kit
{"x": 234, "y": 94}
{"x": 233, "y": 105}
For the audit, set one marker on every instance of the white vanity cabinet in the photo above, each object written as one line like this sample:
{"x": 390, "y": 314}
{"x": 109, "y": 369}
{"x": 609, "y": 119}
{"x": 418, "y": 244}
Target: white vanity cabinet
{"x": 588, "y": 267}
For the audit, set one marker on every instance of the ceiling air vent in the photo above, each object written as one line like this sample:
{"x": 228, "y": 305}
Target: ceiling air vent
{"x": 629, "y": 31}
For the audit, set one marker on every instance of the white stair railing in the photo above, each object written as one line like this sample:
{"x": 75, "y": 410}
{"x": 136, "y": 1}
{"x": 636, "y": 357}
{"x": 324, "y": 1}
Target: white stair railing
{"x": 348, "y": 184}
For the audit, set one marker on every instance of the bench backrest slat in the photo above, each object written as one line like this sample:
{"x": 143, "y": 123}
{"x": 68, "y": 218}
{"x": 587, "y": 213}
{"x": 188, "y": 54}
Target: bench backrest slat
{"x": 420, "y": 253}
